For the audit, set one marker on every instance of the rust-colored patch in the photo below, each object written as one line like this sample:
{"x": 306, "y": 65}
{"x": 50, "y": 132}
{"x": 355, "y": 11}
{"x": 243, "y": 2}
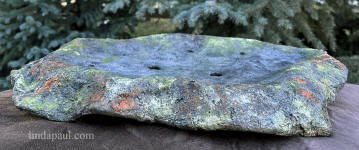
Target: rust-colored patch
{"x": 308, "y": 95}
{"x": 339, "y": 64}
{"x": 325, "y": 57}
{"x": 305, "y": 93}
{"x": 300, "y": 81}
{"x": 55, "y": 64}
{"x": 126, "y": 101}
{"x": 100, "y": 88}
{"x": 46, "y": 66}
{"x": 98, "y": 96}
{"x": 52, "y": 81}
{"x": 123, "y": 104}
{"x": 321, "y": 58}
{"x": 190, "y": 93}
{"x": 36, "y": 68}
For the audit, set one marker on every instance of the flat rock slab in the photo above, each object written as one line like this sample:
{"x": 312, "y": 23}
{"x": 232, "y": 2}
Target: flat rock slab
{"x": 186, "y": 81}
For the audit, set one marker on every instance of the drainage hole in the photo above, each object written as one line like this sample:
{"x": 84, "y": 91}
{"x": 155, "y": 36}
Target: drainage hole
{"x": 242, "y": 53}
{"x": 216, "y": 74}
{"x": 190, "y": 51}
{"x": 154, "y": 68}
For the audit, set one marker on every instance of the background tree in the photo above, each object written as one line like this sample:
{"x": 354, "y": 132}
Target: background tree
{"x": 30, "y": 29}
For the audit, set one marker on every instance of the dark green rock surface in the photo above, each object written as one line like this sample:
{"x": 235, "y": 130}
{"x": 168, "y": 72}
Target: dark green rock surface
{"x": 187, "y": 81}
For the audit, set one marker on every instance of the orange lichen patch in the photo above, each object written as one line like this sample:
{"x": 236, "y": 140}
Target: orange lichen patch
{"x": 48, "y": 84}
{"x": 36, "y": 68}
{"x": 126, "y": 101}
{"x": 123, "y": 104}
{"x": 326, "y": 57}
{"x": 98, "y": 96}
{"x": 190, "y": 91}
{"x": 54, "y": 64}
{"x": 308, "y": 95}
{"x": 321, "y": 58}
{"x": 300, "y": 81}
{"x": 339, "y": 64}
{"x": 100, "y": 88}
{"x": 48, "y": 65}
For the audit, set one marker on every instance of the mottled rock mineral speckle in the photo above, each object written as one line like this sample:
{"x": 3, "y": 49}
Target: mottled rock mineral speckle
{"x": 187, "y": 81}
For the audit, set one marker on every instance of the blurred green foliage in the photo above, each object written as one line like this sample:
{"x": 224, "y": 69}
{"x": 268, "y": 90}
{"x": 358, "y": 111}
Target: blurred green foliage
{"x": 352, "y": 64}
{"x": 30, "y": 29}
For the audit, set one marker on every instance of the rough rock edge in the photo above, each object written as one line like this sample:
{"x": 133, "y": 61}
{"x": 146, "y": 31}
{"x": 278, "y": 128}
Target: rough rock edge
{"x": 17, "y": 79}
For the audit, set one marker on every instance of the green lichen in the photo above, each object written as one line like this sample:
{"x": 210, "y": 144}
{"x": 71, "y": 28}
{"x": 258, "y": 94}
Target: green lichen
{"x": 160, "y": 40}
{"x": 312, "y": 54}
{"x": 326, "y": 81}
{"x": 302, "y": 108}
{"x": 250, "y": 44}
{"x": 329, "y": 69}
{"x": 217, "y": 42}
{"x": 294, "y": 84}
{"x": 278, "y": 87}
{"x": 36, "y": 104}
{"x": 123, "y": 79}
{"x": 303, "y": 67}
{"x": 220, "y": 46}
{"x": 75, "y": 45}
{"x": 21, "y": 84}
{"x": 162, "y": 82}
{"x": 326, "y": 86}
{"x": 215, "y": 98}
{"x": 104, "y": 43}
{"x": 229, "y": 46}
{"x": 77, "y": 53}
{"x": 109, "y": 59}
{"x": 286, "y": 49}
{"x": 210, "y": 121}
{"x": 93, "y": 71}
{"x": 282, "y": 122}
{"x": 118, "y": 86}
{"x": 70, "y": 79}
{"x": 75, "y": 102}
{"x": 244, "y": 99}
{"x": 295, "y": 68}
{"x": 161, "y": 107}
